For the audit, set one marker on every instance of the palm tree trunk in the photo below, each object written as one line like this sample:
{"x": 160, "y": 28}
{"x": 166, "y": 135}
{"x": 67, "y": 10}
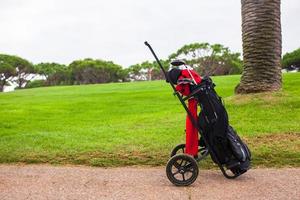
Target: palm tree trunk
{"x": 261, "y": 33}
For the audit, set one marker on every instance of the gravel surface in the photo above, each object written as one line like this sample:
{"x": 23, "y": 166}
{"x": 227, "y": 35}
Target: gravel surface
{"x": 74, "y": 182}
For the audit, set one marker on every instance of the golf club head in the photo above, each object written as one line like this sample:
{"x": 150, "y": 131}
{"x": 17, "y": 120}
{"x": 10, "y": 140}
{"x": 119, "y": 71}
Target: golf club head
{"x": 177, "y": 63}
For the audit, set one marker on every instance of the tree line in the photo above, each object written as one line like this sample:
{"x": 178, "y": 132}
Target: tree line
{"x": 205, "y": 58}
{"x": 14, "y": 69}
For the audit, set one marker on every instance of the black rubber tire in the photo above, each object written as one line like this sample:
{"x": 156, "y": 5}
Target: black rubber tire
{"x": 202, "y": 151}
{"x": 178, "y": 149}
{"x": 183, "y": 164}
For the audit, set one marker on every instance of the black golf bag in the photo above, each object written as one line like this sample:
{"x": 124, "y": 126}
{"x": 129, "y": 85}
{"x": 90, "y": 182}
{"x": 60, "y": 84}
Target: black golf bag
{"x": 218, "y": 138}
{"x": 229, "y": 149}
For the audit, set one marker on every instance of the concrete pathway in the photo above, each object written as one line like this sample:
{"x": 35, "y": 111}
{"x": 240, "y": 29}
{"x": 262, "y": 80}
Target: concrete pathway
{"x": 40, "y": 182}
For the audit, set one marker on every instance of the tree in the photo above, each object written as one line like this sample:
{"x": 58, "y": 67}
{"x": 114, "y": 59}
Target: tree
{"x": 147, "y": 71}
{"x": 209, "y": 59}
{"x": 291, "y": 59}
{"x": 137, "y": 72}
{"x": 23, "y": 69}
{"x": 7, "y": 71}
{"x": 56, "y": 74}
{"x": 89, "y": 71}
{"x": 157, "y": 73}
{"x": 261, "y": 34}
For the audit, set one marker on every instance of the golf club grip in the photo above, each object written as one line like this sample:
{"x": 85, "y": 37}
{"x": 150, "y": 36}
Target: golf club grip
{"x": 156, "y": 58}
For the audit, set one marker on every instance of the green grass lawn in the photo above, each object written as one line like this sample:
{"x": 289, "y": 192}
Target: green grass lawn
{"x": 139, "y": 123}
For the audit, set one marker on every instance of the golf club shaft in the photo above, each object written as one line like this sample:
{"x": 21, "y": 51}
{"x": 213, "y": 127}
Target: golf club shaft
{"x": 194, "y": 122}
{"x": 156, "y": 58}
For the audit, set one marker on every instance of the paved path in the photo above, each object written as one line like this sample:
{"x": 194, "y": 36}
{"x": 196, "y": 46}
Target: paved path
{"x": 72, "y": 182}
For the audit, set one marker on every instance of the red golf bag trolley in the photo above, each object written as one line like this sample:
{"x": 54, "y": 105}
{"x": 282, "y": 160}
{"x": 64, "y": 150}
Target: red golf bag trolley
{"x": 217, "y": 138}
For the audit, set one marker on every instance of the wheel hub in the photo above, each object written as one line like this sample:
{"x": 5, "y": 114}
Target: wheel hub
{"x": 181, "y": 170}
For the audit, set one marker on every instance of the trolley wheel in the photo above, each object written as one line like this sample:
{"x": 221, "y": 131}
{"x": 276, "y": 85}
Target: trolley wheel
{"x": 182, "y": 170}
{"x": 178, "y": 149}
{"x": 202, "y": 151}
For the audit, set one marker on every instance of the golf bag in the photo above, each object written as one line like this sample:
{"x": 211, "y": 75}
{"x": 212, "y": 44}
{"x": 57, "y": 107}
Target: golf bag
{"x": 229, "y": 149}
{"x": 218, "y": 138}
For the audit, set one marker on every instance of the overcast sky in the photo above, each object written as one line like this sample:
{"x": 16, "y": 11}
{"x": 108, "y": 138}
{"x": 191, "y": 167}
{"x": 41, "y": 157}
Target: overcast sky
{"x": 65, "y": 30}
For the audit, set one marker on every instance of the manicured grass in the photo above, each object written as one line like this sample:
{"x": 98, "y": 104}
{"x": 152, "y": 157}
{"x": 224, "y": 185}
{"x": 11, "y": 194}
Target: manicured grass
{"x": 139, "y": 123}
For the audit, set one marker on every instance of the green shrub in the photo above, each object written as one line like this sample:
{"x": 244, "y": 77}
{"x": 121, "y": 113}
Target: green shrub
{"x": 36, "y": 83}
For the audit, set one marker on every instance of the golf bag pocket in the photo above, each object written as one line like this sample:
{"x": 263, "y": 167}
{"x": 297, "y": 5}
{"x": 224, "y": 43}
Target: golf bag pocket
{"x": 239, "y": 149}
